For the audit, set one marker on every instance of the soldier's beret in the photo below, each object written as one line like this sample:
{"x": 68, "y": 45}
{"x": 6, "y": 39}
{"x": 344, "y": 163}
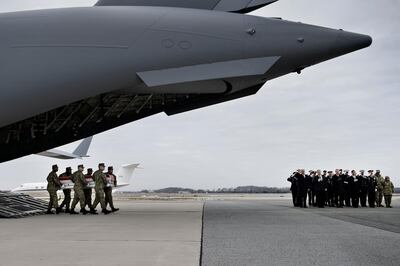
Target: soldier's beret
{"x": 54, "y": 166}
{"x": 370, "y": 171}
{"x": 325, "y": 171}
{"x": 90, "y": 170}
{"x": 330, "y": 171}
{"x": 110, "y": 168}
{"x": 102, "y": 164}
{"x": 81, "y": 166}
{"x": 69, "y": 168}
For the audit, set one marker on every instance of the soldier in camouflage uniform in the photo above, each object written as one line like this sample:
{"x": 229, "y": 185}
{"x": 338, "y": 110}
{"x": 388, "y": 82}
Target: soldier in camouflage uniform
{"x": 111, "y": 181}
{"x": 388, "y": 190}
{"x": 53, "y": 184}
{"x": 88, "y": 191}
{"x": 79, "y": 183}
{"x": 67, "y": 192}
{"x": 100, "y": 182}
{"x": 379, "y": 185}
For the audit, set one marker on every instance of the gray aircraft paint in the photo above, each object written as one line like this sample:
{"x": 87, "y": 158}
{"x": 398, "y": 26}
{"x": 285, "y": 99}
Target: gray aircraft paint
{"x": 240, "y": 6}
{"x": 51, "y": 58}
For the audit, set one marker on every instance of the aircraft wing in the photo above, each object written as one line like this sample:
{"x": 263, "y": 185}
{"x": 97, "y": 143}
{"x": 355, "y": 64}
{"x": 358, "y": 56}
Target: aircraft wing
{"x": 237, "y": 6}
{"x": 58, "y": 154}
{"x": 78, "y": 153}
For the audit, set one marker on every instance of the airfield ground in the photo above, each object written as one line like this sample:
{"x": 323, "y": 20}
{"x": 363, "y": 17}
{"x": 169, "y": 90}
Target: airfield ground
{"x": 207, "y": 229}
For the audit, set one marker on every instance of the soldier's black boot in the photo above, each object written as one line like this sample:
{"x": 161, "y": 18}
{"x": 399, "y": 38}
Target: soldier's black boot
{"x": 115, "y": 209}
{"x": 58, "y": 210}
{"x": 67, "y": 211}
{"x": 49, "y": 212}
{"x": 84, "y": 210}
{"x": 105, "y": 211}
{"x": 93, "y": 211}
{"x": 73, "y": 212}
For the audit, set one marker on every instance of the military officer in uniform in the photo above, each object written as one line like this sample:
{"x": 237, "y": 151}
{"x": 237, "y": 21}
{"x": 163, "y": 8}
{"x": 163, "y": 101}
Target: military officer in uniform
{"x": 379, "y": 185}
{"x": 100, "y": 182}
{"x": 363, "y": 188}
{"x": 346, "y": 188}
{"x": 293, "y": 187}
{"x": 79, "y": 183}
{"x": 88, "y": 190}
{"x": 67, "y": 192}
{"x": 337, "y": 182}
{"x": 53, "y": 184}
{"x": 310, "y": 188}
{"x": 329, "y": 192}
{"x": 388, "y": 190}
{"x": 371, "y": 189}
{"x": 301, "y": 189}
{"x": 111, "y": 182}
{"x": 354, "y": 189}
{"x": 320, "y": 188}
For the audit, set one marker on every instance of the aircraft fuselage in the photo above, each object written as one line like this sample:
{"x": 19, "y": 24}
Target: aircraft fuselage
{"x": 50, "y": 59}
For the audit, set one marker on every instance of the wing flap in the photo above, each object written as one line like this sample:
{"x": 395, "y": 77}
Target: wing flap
{"x": 238, "y": 6}
{"x": 202, "y": 72}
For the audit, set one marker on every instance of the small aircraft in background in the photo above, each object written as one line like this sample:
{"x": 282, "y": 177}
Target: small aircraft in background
{"x": 79, "y": 153}
{"x": 124, "y": 175}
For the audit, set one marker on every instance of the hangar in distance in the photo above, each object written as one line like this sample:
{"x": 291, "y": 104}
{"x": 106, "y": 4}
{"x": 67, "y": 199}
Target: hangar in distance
{"x": 70, "y": 73}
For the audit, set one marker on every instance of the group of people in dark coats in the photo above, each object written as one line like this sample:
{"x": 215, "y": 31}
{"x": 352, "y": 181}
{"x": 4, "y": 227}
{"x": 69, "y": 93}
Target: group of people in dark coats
{"x": 340, "y": 188}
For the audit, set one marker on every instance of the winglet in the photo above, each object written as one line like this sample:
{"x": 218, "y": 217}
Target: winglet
{"x": 83, "y": 147}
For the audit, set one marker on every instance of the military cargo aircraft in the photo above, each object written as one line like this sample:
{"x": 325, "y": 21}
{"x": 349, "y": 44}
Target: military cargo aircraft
{"x": 70, "y": 73}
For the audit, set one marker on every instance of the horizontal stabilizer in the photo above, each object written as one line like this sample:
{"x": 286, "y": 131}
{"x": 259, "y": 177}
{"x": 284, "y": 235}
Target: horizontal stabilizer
{"x": 202, "y": 72}
{"x": 237, "y": 6}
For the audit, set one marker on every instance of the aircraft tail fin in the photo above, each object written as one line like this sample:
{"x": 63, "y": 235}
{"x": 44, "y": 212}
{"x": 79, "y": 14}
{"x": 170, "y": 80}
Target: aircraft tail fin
{"x": 126, "y": 172}
{"x": 83, "y": 147}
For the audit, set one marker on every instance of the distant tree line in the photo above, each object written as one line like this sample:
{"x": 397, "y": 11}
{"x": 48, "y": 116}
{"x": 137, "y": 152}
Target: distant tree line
{"x": 241, "y": 189}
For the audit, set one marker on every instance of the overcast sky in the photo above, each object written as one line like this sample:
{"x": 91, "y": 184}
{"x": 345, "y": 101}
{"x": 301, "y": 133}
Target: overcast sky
{"x": 343, "y": 113}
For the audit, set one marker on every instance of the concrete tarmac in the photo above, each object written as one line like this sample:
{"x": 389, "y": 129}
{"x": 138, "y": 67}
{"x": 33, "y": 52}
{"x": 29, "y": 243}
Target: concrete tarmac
{"x": 273, "y": 233}
{"x": 237, "y": 230}
{"x": 142, "y": 233}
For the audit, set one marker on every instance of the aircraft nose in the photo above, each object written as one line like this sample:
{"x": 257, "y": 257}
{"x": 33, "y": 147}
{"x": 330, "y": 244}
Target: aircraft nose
{"x": 349, "y": 42}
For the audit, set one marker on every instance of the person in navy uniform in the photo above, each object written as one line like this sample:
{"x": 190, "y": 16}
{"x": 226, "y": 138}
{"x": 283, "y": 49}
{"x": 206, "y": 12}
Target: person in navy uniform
{"x": 354, "y": 189}
{"x": 372, "y": 188}
{"x": 293, "y": 187}
{"x": 363, "y": 188}
{"x": 301, "y": 189}
{"x": 320, "y": 188}
{"x": 346, "y": 188}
